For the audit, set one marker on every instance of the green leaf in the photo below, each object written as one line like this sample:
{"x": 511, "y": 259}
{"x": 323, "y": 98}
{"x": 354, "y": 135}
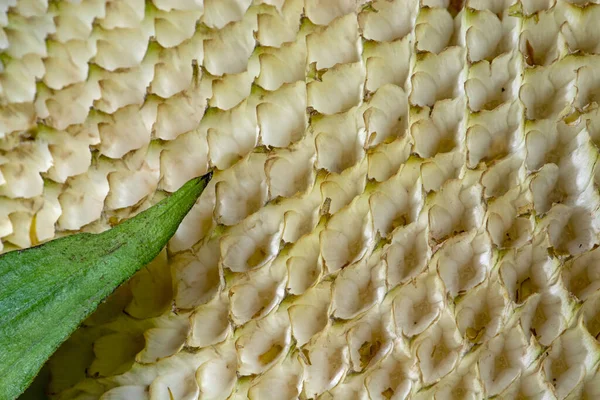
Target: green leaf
{"x": 48, "y": 290}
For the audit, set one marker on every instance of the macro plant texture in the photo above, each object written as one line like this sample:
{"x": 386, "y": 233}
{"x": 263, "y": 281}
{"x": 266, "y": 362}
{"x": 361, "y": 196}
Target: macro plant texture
{"x": 404, "y": 202}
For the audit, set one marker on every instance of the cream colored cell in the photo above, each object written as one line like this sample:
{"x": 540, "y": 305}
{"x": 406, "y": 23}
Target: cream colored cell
{"x": 18, "y": 78}
{"x": 437, "y": 76}
{"x": 339, "y": 89}
{"x": 569, "y": 360}
{"x": 123, "y": 14}
{"x": 192, "y": 274}
{"x": 122, "y": 47}
{"x": 348, "y": 235}
{"x": 388, "y": 20}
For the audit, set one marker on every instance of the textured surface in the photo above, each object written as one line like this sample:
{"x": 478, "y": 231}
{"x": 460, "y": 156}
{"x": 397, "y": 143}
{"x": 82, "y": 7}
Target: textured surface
{"x": 405, "y": 202}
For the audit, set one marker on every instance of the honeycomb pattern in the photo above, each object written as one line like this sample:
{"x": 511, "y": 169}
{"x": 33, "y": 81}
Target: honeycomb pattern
{"x": 405, "y": 199}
